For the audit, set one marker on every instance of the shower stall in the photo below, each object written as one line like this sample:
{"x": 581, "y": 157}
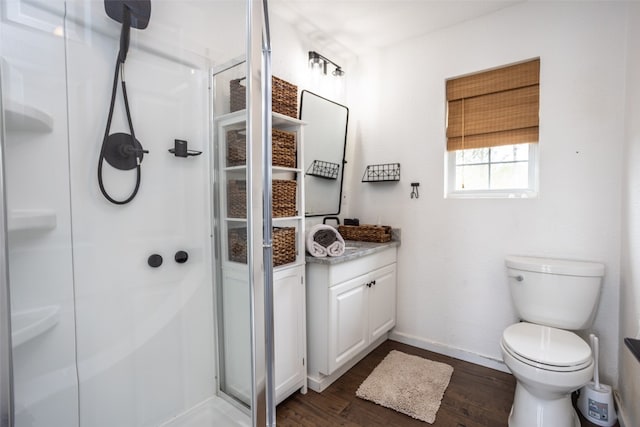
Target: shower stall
{"x": 117, "y": 314}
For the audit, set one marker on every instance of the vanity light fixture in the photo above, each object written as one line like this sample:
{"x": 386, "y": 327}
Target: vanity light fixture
{"x": 319, "y": 62}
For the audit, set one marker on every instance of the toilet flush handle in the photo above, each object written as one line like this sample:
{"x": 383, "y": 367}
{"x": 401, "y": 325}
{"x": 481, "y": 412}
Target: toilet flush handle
{"x": 518, "y": 277}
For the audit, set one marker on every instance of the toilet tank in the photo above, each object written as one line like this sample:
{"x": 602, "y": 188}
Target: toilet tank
{"x": 555, "y": 292}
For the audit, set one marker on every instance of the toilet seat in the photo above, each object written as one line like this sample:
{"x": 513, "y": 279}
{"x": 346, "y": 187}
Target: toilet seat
{"x": 546, "y": 348}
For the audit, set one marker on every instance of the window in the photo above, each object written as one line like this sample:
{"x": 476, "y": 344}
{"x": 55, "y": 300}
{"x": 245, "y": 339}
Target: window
{"x": 492, "y": 132}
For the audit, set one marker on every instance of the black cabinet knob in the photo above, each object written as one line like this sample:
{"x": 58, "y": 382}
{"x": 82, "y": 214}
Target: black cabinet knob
{"x": 181, "y": 257}
{"x": 154, "y": 260}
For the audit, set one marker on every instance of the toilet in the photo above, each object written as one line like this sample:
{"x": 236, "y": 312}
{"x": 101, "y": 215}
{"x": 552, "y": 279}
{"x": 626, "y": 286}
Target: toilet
{"x": 552, "y": 297}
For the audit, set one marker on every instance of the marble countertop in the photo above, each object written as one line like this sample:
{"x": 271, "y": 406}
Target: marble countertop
{"x": 353, "y": 250}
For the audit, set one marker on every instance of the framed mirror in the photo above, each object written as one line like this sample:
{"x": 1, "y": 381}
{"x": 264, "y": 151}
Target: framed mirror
{"x": 325, "y": 141}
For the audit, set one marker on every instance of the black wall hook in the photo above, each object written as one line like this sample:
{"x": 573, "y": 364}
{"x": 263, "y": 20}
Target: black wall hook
{"x": 414, "y": 190}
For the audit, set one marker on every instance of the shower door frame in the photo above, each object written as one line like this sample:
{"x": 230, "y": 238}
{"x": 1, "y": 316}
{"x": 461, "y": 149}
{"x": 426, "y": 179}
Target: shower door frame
{"x": 259, "y": 252}
{"x": 6, "y": 347}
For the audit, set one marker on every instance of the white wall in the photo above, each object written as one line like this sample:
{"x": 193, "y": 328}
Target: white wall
{"x": 452, "y": 293}
{"x": 290, "y": 51}
{"x": 629, "y": 374}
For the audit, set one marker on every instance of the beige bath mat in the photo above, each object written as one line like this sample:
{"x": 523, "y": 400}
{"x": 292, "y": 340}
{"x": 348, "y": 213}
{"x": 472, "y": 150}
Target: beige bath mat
{"x": 408, "y": 384}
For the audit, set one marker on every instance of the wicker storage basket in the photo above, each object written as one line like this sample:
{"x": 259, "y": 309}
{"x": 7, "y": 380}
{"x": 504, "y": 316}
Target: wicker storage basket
{"x": 237, "y": 240}
{"x": 236, "y": 198}
{"x": 284, "y": 198}
{"x": 283, "y": 148}
{"x": 366, "y": 233}
{"x": 284, "y": 96}
{"x": 237, "y": 94}
{"x": 236, "y": 147}
{"x": 284, "y": 245}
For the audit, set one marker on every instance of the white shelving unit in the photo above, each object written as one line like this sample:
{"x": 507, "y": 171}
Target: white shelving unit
{"x": 236, "y": 121}
{"x": 289, "y": 279}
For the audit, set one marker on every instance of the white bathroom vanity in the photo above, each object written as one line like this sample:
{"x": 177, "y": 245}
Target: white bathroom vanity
{"x": 351, "y": 306}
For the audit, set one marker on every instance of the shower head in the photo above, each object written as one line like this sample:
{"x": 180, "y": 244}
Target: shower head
{"x": 131, "y": 13}
{"x": 139, "y": 12}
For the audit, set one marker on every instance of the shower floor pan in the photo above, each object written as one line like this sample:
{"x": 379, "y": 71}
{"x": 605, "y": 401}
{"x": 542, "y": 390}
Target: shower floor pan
{"x": 212, "y": 412}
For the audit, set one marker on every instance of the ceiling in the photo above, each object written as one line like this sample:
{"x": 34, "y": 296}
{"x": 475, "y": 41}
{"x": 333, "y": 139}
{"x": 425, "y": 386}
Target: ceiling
{"x": 347, "y": 28}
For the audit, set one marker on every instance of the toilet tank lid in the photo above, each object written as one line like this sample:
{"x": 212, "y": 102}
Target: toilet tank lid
{"x": 555, "y": 266}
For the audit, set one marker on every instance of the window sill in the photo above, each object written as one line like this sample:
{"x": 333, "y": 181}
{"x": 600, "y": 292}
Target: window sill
{"x": 488, "y": 194}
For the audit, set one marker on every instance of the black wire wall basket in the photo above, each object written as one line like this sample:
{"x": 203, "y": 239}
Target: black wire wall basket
{"x": 388, "y": 172}
{"x": 322, "y": 169}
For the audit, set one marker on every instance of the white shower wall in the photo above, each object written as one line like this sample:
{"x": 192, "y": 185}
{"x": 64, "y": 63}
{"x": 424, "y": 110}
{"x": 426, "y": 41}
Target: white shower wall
{"x": 37, "y": 180}
{"x": 143, "y": 337}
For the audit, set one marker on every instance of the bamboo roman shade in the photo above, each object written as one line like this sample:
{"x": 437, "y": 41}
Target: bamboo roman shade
{"x": 497, "y": 107}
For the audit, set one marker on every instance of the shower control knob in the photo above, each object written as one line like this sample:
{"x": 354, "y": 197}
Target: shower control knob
{"x": 154, "y": 260}
{"x": 181, "y": 257}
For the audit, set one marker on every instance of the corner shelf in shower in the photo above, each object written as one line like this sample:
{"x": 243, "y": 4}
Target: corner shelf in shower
{"x": 25, "y": 118}
{"x": 25, "y": 220}
{"x": 29, "y": 324}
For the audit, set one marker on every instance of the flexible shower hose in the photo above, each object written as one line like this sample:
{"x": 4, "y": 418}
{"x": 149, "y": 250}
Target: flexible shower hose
{"x": 119, "y": 71}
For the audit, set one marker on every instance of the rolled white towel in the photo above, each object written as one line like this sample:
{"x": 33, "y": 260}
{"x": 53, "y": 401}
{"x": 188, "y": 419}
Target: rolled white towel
{"x": 315, "y": 248}
{"x": 336, "y": 248}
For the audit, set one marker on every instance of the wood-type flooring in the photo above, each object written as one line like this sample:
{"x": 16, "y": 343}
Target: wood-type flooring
{"x": 476, "y": 397}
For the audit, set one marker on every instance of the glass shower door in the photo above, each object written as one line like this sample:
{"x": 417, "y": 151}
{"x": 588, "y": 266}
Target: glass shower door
{"x": 113, "y": 307}
{"x": 38, "y": 209}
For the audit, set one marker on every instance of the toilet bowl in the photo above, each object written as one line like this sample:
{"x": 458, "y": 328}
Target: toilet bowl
{"x": 552, "y": 297}
{"x": 548, "y": 364}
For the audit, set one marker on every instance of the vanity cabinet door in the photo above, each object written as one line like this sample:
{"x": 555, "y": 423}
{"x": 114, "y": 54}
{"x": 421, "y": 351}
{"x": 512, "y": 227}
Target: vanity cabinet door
{"x": 348, "y": 315}
{"x": 382, "y": 301}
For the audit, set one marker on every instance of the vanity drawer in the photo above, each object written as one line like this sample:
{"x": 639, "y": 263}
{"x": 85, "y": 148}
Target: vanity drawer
{"x": 338, "y": 273}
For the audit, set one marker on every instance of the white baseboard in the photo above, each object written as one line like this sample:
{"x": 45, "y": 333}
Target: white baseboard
{"x": 318, "y": 382}
{"x": 456, "y": 353}
{"x": 622, "y": 418}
